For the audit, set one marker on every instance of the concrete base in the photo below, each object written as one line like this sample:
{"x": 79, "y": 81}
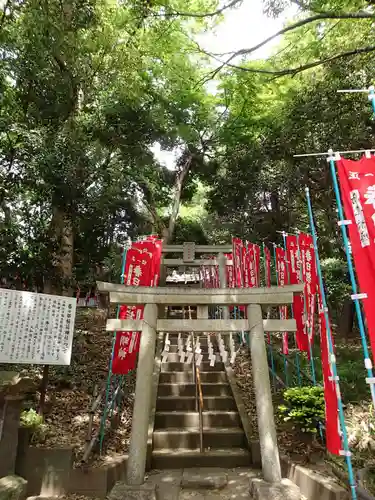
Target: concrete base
{"x": 122, "y": 491}
{"x": 204, "y": 479}
{"x": 12, "y": 488}
{"x": 285, "y": 490}
{"x": 312, "y": 484}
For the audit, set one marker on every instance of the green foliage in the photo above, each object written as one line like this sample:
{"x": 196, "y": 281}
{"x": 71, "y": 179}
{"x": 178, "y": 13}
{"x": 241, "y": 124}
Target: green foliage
{"x": 34, "y": 422}
{"x": 87, "y": 89}
{"x": 337, "y": 282}
{"x": 304, "y": 408}
{"x": 352, "y": 380}
{"x": 31, "y": 419}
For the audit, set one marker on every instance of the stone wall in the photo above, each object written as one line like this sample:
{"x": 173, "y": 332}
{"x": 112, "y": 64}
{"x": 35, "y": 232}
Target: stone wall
{"x": 10, "y": 409}
{"x": 50, "y": 472}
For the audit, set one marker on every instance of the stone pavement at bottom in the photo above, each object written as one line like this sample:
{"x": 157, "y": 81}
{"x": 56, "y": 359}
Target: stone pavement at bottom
{"x": 203, "y": 484}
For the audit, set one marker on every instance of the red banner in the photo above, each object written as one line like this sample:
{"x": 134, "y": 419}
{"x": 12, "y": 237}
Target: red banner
{"x": 357, "y": 185}
{"x": 238, "y": 268}
{"x": 237, "y": 262}
{"x": 205, "y": 276}
{"x": 230, "y": 272}
{"x": 141, "y": 269}
{"x": 294, "y": 267}
{"x": 245, "y": 267}
{"x": 254, "y": 264}
{"x": 210, "y": 275}
{"x": 215, "y": 276}
{"x": 333, "y": 439}
{"x": 267, "y": 267}
{"x": 156, "y": 260}
{"x": 257, "y": 264}
{"x": 293, "y": 259}
{"x": 282, "y": 279}
{"x": 267, "y": 275}
{"x": 310, "y": 280}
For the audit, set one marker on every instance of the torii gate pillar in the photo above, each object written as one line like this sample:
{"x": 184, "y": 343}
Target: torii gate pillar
{"x": 263, "y": 397}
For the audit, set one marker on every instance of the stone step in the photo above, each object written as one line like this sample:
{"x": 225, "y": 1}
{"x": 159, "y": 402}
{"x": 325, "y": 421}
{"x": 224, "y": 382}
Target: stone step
{"x": 186, "y": 377}
{"x": 182, "y": 367}
{"x": 221, "y": 389}
{"x": 181, "y": 459}
{"x": 173, "y": 357}
{"x": 188, "y": 403}
{"x": 222, "y": 437}
{"x": 204, "y": 479}
{"x": 186, "y": 419}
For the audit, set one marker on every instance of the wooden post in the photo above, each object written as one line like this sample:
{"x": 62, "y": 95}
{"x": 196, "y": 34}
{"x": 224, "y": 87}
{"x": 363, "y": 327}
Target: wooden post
{"x": 43, "y": 389}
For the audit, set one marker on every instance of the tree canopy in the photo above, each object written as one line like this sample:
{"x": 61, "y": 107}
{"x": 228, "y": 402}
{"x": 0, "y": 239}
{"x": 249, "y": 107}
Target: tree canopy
{"x": 89, "y": 87}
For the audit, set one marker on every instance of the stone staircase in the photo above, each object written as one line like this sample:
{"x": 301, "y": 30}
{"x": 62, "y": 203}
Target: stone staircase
{"x": 176, "y": 436}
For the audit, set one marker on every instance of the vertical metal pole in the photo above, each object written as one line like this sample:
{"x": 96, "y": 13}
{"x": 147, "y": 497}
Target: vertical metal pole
{"x": 105, "y": 409}
{"x": 281, "y": 352}
{"x": 371, "y": 97}
{"x": 113, "y": 399}
{"x": 332, "y": 357}
{"x": 194, "y": 372}
{"x": 295, "y": 336}
{"x": 353, "y": 281}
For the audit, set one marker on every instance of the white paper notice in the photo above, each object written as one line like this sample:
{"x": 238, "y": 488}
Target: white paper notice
{"x": 36, "y": 328}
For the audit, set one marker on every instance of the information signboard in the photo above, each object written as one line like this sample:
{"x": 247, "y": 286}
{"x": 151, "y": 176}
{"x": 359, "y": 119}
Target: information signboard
{"x": 36, "y": 328}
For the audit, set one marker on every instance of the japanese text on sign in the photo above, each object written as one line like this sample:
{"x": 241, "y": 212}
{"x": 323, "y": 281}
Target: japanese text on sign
{"x": 359, "y": 216}
{"x": 36, "y": 328}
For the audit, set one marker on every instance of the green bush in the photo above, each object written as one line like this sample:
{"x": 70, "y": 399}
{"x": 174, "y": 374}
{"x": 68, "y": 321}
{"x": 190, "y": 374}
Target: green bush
{"x": 31, "y": 420}
{"x": 304, "y": 408}
{"x": 338, "y": 288}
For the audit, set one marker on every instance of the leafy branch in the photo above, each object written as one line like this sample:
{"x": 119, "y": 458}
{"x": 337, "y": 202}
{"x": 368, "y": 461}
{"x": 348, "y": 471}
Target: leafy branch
{"x": 200, "y": 15}
{"x": 292, "y": 27}
{"x": 313, "y": 64}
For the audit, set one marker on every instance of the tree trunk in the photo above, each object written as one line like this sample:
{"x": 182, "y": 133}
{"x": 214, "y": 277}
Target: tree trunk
{"x": 346, "y": 318}
{"x": 167, "y": 233}
{"x": 62, "y": 260}
{"x": 276, "y": 215}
